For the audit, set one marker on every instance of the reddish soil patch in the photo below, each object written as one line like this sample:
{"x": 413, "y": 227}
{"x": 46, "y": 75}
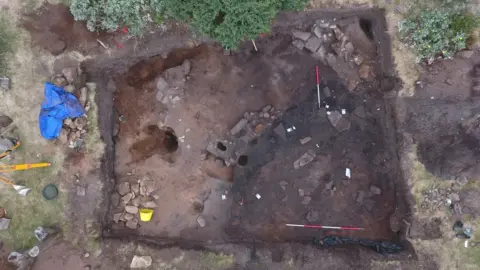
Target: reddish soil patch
{"x": 53, "y": 28}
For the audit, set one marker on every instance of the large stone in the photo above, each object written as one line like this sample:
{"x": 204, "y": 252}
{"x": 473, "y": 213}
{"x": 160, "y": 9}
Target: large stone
{"x": 201, "y": 221}
{"x": 318, "y": 31}
{"x": 80, "y": 122}
{"x": 306, "y": 200}
{"x": 301, "y": 35}
{"x": 313, "y": 43}
{"x": 70, "y": 74}
{"x": 187, "y": 66}
{"x": 162, "y": 84}
{"x": 4, "y": 223}
{"x": 360, "y": 111}
{"x": 124, "y": 188}
{"x": 150, "y": 204}
{"x": 320, "y": 54}
{"x": 131, "y": 209}
{"x": 365, "y": 72}
{"x": 128, "y": 216}
{"x": 63, "y": 137}
{"x": 59, "y": 80}
{"x": 360, "y": 196}
{"x": 338, "y": 121}
{"x": 132, "y": 224}
{"x": 313, "y": 215}
{"x": 280, "y": 131}
{"x": 5, "y": 83}
{"x": 374, "y": 190}
{"x": 136, "y": 201}
{"x": 127, "y": 197}
{"x": 117, "y": 217}
{"x": 5, "y": 121}
{"x": 141, "y": 262}
{"x": 304, "y": 159}
{"x": 239, "y": 126}
{"x": 298, "y": 44}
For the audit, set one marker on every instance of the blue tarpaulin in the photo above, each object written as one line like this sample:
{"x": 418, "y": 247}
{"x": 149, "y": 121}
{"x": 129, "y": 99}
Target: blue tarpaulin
{"x": 56, "y": 107}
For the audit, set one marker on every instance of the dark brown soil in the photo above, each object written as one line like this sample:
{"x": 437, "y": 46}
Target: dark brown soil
{"x": 54, "y": 29}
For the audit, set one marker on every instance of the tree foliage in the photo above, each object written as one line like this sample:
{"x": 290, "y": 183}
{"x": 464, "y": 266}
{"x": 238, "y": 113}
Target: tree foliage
{"x": 228, "y": 21}
{"x": 437, "y": 33}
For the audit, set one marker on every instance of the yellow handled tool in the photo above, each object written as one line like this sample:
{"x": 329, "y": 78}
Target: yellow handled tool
{"x": 22, "y": 167}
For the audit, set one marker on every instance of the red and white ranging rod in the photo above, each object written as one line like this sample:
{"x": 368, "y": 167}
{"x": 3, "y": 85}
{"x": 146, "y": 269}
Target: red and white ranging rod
{"x": 345, "y": 228}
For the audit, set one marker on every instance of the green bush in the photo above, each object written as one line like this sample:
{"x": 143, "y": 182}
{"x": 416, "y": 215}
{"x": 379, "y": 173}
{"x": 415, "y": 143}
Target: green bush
{"x": 227, "y": 21}
{"x": 437, "y": 33}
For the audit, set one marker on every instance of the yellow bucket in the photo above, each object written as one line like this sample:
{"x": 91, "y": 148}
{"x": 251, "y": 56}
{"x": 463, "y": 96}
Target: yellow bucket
{"x": 146, "y": 214}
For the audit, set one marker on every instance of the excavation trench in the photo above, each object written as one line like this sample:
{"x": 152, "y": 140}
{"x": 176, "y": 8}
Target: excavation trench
{"x": 217, "y": 91}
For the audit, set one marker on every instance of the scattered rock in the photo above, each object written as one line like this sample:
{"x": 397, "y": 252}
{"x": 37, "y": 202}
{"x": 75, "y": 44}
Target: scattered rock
{"x": 266, "y": 108}
{"x": 141, "y": 262}
{"x": 124, "y": 188}
{"x": 280, "y": 131}
{"x": 305, "y": 140}
{"x": 306, "y": 200}
{"x": 360, "y": 111}
{"x": 318, "y": 31}
{"x": 63, "y": 137}
{"x": 449, "y": 81}
{"x": 298, "y": 44}
{"x": 162, "y": 84}
{"x": 338, "y": 121}
{"x": 128, "y": 216}
{"x": 358, "y": 59}
{"x": 127, "y": 197}
{"x": 338, "y": 33}
{"x": 81, "y": 191}
{"x": 365, "y": 72}
{"x": 220, "y": 163}
{"x": 259, "y": 129}
{"x": 322, "y": 24}
{"x": 466, "y": 54}
{"x": 374, "y": 190}
{"x": 116, "y": 217}
{"x": 301, "y": 35}
{"x": 368, "y": 204}
{"x": 149, "y": 187}
{"x": 83, "y": 96}
{"x": 352, "y": 84}
{"x": 80, "y": 122}
{"x": 301, "y": 192}
{"x": 239, "y": 126}
{"x": 313, "y": 43}
{"x": 360, "y": 196}
{"x": 327, "y": 92}
{"x": 132, "y": 224}
{"x": 70, "y": 73}
{"x": 59, "y": 81}
{"x": 175, "y": 99}
{"x": 283, "y": 183}
{"x": 131, "y": 209}
{"x": 320, "y": 54}
{"x": 201, "y": 221}
{"x": 187, "y": 66}
{"x": 136, "y": 201}
{"x": 150, "y": 204}
{"x": 454, "y": 197}
{"x": 69, "y": 88}
{"x": 313, "y": 215}
{"x": 349, "y": 48}
{"x": 304, "y": 159}
{"x": 5, "y": 121}
{"x": 159, "y": 96}
{"x": 135, "y": 188}
{"x": 5, "y": 83}
{"x": 4, "y": 223}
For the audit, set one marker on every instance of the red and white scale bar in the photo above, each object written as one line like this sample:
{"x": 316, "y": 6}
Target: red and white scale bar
{"x": 345, "y": 228}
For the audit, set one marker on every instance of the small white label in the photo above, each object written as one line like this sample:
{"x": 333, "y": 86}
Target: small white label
{"x": 258, "y": 196}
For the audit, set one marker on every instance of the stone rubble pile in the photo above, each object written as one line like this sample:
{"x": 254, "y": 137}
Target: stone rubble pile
{"x": 73, "y": 80}
{"x": 130, "y": 198}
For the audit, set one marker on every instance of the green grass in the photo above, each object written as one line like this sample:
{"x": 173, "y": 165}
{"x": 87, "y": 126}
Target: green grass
{"x": 7, "y": 42}
{"x": 217, "y": 261}
{"x": 31, "y": 211}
